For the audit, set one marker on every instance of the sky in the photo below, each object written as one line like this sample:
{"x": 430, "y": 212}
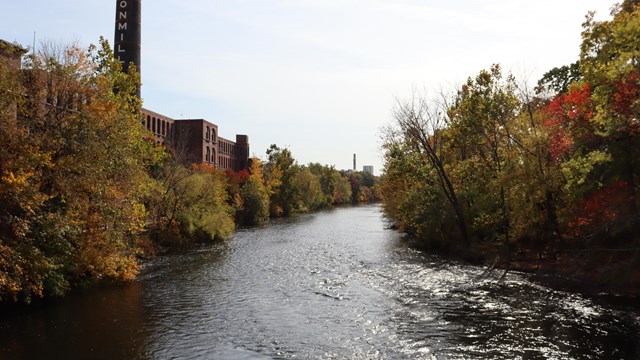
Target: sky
{"x": 319, "y": 77}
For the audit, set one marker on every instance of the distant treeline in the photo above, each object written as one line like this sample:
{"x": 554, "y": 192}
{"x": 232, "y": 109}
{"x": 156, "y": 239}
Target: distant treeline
{"x": 200, "y": 203}
{"x": 85, "y": 192}
{"x": 543, "y": 178}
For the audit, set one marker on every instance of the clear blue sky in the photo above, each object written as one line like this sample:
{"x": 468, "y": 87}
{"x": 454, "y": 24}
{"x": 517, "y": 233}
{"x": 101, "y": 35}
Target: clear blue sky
{"x": 317, "y": 76}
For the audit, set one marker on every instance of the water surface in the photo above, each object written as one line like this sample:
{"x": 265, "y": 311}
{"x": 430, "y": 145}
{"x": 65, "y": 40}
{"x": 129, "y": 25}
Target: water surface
{"x": 332, "y": 285}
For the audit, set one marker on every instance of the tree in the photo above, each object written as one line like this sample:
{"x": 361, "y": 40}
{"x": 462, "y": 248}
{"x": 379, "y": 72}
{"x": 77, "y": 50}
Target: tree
{"x": 206, "y": 213}
{"x": 189, "y": 204}
{"x": 554, "y": 175}
{"x": 362, "y": 186}
{"x": 255, "y": 197}
{"x": 413, "y": 197}
{"x": 557, "y": 80}
{"x": 610, "y": 63}
{"x": 535, "y": 178}
{"x": 280, "y": 172}
{"x": 24, "y": 267}
{"x": 421, "y": 125}
{"x": 73, "y": 173}
{"x": 481, "y": 118}
{"x": 311, "y": 194}
{"x": 341, "y": 188}
{"x": 235, "y": 181}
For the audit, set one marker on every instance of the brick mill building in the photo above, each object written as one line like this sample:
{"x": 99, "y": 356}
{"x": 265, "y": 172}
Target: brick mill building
{"x": 191, "y": 140}
{"x": 197, "y": 141}
{"x": 194, "y": 140}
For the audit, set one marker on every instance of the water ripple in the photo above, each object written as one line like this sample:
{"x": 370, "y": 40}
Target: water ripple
{"x": 333, "y": 285}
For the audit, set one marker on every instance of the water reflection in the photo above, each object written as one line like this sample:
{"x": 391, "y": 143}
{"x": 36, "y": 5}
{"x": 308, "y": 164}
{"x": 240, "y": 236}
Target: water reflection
{"x": 99, "y": 324}
{"x": 333, "y": 285}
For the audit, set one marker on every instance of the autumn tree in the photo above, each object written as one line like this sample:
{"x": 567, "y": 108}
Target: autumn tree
{"x": 480, "y": 120}
{"x": 235, "y": 182}
{"x": 342, "y": 191}
{"x": 311, "y": 195}
{"x": 334, "y": 184}
{"x": 189, "y": 204}
{"x": 476, "y": 154}
{"x": 280, "y": 172}
{"x": 421, "y": 128}
{"x": 413, "y": 197}
{"x": 206, "y": 213}
{"x": 557, "y": 80}
{"x": 610, "y": 63}
{"x": 254, "y": 197}
{"x": 73, "y": 173}
{"x": 553, "y": 174}
{"x": 362, "y": 186}
{"x": 537, "y": 182}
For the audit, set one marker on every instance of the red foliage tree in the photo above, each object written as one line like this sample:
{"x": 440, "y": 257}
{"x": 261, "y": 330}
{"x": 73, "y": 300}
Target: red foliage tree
{"x": 626, "y": 104}
{"x": 237, "y": 178}
{"x": 603, "y": 206}
{"x": 568, "y": 118}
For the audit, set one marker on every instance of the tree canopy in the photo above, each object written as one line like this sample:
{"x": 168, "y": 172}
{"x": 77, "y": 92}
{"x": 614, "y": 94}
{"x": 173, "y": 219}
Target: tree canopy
{"x": 494, "y": 172}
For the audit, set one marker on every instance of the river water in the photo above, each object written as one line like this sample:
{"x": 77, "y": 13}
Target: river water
{"x": 331, "y": 285}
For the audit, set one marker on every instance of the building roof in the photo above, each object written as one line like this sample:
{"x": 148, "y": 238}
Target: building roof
{"x": 11, "y": 50}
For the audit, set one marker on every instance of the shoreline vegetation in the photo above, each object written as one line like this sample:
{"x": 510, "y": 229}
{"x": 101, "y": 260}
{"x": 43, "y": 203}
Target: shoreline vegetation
{"x": 540, "y": 180}
{"x": 86, "y": 193}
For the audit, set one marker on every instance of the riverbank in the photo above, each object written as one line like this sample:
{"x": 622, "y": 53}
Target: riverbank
{"x": 583, "y": 272}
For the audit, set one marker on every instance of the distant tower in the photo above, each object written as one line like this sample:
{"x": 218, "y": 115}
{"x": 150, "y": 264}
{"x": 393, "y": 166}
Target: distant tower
{"x": 354, "y": 162}
{"x": 127, "y": 43}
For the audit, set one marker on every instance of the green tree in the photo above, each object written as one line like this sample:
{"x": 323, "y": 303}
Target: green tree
{"x": 480, "y": 134}
{"x": 206, "y": 213}
{"x": 557, "y": 80}
{"x": 255, "y": 197}
{"x": 342, "y": 188}
{"x": 189, "y": 205}
{"x": 421, "y": 127}
{"x": 413, "y": 195}
{"x": 311, "y": 194}
{"x": 280, "y": 173}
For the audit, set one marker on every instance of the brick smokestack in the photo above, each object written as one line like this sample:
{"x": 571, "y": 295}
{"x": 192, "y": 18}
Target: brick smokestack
{"x": 354, "y": 162}
{"x": 127, "y": 41}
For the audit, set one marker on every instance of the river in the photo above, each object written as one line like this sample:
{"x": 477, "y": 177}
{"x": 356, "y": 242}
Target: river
{"x": 330, "y": 285}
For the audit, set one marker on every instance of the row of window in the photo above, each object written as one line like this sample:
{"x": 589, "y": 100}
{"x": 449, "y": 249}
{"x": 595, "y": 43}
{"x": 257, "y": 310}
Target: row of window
{"x": 210, "y": 134}
{"x": 227, "y": 148}
{"x": 158, "y": 126}
{"x": 223, "y": 162}
{"x": 209, "y": 157}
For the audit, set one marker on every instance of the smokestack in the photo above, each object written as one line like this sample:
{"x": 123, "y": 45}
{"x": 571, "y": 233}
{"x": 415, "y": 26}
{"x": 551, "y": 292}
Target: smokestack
{"x": 127, "y": 43}
{"x": 354, "y": 162}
